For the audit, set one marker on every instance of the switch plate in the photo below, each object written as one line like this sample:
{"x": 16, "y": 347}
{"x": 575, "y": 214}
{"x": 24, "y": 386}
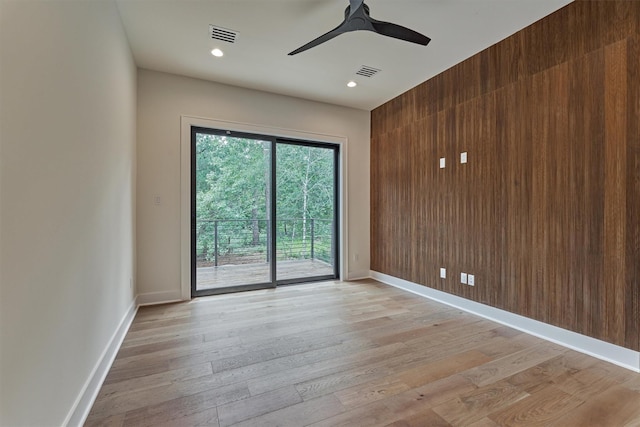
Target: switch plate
{"x": 442, "y": 162}
{"x": 471, "y": 280}
{"x": 443, "y": 273}
{"x": 463, "y": 278}
{"x": 463, "y": 157}
{"x": 157, "y": 200}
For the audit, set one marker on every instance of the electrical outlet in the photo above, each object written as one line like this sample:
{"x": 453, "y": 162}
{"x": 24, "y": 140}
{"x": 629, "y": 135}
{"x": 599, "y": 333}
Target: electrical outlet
{"x": 443, "y": 273}
{"x": 463, "y": 157}
{"x": 471, "y": 280}
{"x": 443, "y": 162}
{"x": 463, "y": 278}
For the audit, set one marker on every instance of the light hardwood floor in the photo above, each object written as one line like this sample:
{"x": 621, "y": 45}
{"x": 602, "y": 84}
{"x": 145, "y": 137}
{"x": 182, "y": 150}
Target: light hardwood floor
{"x": 350, "y": 354}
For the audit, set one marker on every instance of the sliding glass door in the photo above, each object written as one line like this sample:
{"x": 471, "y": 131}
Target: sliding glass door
{"x": 263, "y": 211}
{"x": 230, "y": 210}
{"x": 305, "y": 211}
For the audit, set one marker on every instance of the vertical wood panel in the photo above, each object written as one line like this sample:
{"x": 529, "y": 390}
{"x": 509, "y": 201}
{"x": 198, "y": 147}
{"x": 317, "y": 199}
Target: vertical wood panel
{"x": 542, "y": 179}
{"x": 632, "y": 247}
{"x": 615, "y": 91}
{"x": 545, "y": 212}
{"x": 591, "y": 97}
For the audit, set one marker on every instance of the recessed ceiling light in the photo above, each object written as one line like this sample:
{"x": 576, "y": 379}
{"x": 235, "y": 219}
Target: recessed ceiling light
{"x": 352, "y": 84}
{"x": 217, "y": 52}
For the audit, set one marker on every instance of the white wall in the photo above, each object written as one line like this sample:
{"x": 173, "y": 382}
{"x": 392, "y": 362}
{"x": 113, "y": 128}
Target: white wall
{"x": 67, "y": 190}
{"x": 163, "y": 99}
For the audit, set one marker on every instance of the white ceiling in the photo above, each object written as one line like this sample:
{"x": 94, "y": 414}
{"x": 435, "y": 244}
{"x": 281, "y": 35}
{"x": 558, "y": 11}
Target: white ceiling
{"x": 172, "y": 36}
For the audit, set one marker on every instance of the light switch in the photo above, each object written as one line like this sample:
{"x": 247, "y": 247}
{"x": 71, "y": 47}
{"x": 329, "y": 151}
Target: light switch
{"x": 157, "y": 200}
{"x": 463, "y": 278}
{"x": 443, "y": 273}
{"x": 442, "y": 162}
{"x": 463, "y": 157}
{"x": 471, "y": 280}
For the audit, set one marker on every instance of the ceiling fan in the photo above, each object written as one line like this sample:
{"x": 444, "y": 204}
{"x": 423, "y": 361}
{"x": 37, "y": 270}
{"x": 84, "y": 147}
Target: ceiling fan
{"x": 356, "y": 17}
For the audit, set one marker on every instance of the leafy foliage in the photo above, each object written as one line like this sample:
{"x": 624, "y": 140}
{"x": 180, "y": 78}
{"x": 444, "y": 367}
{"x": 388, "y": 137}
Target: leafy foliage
{"x": 233, "y": 199}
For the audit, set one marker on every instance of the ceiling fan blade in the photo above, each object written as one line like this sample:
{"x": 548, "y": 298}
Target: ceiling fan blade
{"x": 399, "y": 32}
{"x": 356, "y": 18}
{"x": 354, "y": 5}
{"x": 323, "y": 38}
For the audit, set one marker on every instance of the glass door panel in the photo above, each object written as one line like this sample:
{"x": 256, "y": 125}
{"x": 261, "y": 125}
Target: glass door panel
{"x": 231, "y": 210}
{"x": 305, "y": 212}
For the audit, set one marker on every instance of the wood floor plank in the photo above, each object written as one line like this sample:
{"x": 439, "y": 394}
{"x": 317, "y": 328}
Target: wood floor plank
{"x": 179, "y": 343}
{"x": 430, "y": 395}
{"x": 503, "y": 346}
{"x": 109, "y": 421}
{"x": 445, "y": 343}
{"x": 485, "y": 422}
{"x": 373, "y": 414}
{"x": 420, "y": 333}
{"x": 632, "y": 383}
{"x": 197, "y": 406}
{"x": 408, "y": 377}
{"x": 148, "y": 382}
{"x": 326, "y": 367}
{"x": 130, "y": 401}
{"x": 275, "y": 366}
{"x": 349, "y": 354}
{"x": 477, "y": 404}
{"x": 617, "y": 406}
{"x": 512, "y": 364}
{"x": 442, "y": 368}
{"x": 194, "y": 410}
{"x": 234, "y": 412}
{"x": 589, "y": 382}
{"x": 537, "y": 410}
{"x": 300, "y": 414}
{"x": 206, "y": 418}
{"x": 223, "y": 356}
{"x": 371, "y": 391}
{"x": 541, "y": 375}
{"x": 357, "y": 375}
{"x": 423, "y": 418}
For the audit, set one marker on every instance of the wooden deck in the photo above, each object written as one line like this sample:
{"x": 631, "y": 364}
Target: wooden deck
{"x": 358, "y": 354}
{"x": 234, "y": 275}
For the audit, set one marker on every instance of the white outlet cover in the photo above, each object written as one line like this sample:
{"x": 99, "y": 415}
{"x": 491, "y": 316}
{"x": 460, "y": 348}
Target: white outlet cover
{"x": 463, "y": 278}
{"x": 463, "y": 157}
{"x": 443, "y": 273}
{"x": 442, "y": 162}
{"x": 471, "y": 280}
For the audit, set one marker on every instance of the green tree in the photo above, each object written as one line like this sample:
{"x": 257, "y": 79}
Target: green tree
{"x": 232, "y": 176}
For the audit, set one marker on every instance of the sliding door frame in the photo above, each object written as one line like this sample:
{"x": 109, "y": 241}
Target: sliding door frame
{"x": 336, "y": 204}
{"x": 237, "y": 288}
{"x": 336, "y": 144}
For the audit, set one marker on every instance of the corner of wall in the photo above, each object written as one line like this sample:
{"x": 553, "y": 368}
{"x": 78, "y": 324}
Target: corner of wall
{"x": 612, "y": 353}
{"x": 82, "y": 406}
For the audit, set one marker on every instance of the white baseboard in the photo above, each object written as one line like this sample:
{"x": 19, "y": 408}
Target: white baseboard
{"x": 80, "y": 410}
{"x": 620, "y": 356}
{"x": 164, "y": 297}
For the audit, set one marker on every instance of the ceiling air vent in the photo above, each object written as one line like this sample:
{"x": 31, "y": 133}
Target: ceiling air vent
{"x": 224, "y": 34}
{"x": 367, "y": 71}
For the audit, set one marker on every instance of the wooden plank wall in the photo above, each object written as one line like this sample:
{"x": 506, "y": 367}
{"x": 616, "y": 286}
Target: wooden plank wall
{"x": 546, "y": 213}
